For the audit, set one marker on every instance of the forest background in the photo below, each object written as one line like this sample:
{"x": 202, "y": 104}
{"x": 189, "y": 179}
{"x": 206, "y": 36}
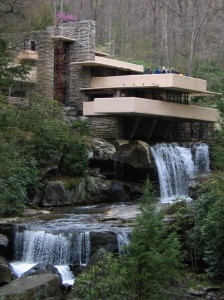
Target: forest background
{"x": 185, "y": 34}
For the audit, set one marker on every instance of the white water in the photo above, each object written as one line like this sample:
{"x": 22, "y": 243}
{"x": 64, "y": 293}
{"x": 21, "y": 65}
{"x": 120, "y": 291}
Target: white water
{"x": 123, "y": 240}
{"x": 177, "y": 165}
{"x": 32, "y": 247}
{"x": 20, "y": 268}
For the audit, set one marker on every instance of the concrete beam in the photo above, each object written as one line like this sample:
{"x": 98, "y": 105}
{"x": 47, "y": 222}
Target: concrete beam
{"x": 165, "y": 81}
{"x": 146, "y": 107}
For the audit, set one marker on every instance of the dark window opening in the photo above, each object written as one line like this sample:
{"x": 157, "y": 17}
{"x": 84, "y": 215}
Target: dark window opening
{"x": 33, "y": 45}
{"x": 18, "y": 93}
{"x": 60, "y": 66}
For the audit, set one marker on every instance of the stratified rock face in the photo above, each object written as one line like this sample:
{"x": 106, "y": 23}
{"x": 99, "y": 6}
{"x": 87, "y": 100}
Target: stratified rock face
{"x": 34, "y": 287}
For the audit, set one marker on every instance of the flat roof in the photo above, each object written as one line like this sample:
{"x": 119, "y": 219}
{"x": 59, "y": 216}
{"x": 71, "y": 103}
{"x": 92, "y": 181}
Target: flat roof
{"x": 100, "y": 61}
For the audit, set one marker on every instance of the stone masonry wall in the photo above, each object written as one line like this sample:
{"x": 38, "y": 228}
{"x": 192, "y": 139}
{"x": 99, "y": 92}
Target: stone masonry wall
{"x": 83, "y": 48}
{"x": 45, "y": 64}
{"x": 109, "y": 127}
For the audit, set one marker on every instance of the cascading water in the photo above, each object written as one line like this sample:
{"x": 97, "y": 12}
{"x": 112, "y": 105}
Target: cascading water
{"x": 57, "y": 249}
{"x": 177, "y": 165}
{"x": 64, "y": 238}
{"x": 123, "y": 239}
{"x": 60, "y": 249}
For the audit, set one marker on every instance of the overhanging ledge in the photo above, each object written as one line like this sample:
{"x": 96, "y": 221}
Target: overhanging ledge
{"x": 146, "y": 107}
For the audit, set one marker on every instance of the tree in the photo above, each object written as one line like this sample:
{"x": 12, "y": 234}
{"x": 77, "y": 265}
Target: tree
{"x": 154, "y": 255}
{"x": 18, "y": 172}
{"x": 9, "y": 71}
{"x": 146, "y": 271}
{"x": 209, "y": 225}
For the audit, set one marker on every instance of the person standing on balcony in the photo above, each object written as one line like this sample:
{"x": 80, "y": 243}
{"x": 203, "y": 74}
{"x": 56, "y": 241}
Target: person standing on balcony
{"x": 157, "y": 71}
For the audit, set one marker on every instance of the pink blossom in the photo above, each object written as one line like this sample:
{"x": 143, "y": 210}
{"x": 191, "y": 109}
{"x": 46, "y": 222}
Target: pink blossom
{"x": 62, "y": 17}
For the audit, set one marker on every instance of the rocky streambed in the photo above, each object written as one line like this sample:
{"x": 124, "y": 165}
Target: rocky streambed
{"x": 64, "y": 237}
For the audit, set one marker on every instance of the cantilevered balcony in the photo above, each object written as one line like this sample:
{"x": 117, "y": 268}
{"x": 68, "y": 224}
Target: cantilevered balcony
{"x": 164, "y": 81}
{"x": 27, "y": 55}
{"x": 132, "y": 106}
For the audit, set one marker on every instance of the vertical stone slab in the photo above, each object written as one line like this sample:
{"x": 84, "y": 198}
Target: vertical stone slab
{"x": 45, "y": 64}
{"x": 81, "y": 49}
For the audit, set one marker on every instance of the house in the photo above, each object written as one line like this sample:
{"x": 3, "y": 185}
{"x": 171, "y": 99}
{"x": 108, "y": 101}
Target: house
{"x": 119, "y": 100}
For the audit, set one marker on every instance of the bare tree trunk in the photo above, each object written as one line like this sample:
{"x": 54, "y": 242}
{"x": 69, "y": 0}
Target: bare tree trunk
{"x": 165, "y": 34}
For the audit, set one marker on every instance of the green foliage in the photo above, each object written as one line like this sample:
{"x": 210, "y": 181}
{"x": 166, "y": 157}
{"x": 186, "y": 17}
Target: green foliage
{"x": 217, "y": 150}
{"x": 75, "y": 157}
{"x": 103, "y": 281}
{"x": 213, "y": 72}
{"x": 42, "y": 17}
{"x": 17, "y": 174}
{"x": 81, "y": 127}
{"x": 47, "y": 133}
{"x": 153, "y": 255}
{"x": 209, "y": 225}
{"x": 32, "y": 140}
{"x": 8, "y": 71}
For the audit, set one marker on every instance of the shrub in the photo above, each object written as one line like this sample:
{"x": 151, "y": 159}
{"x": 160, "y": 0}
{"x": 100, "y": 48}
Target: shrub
{"x": 153, "y": 255}
{"x": 209, "y": 225}
{"x": 17, "y": 175}
{"x": 75, "y": 157}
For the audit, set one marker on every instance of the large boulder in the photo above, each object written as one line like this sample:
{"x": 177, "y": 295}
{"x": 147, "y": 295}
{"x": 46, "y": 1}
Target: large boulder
{"x": 102, "y": 190}
{"x": 134, "y": 153}
{"x": 54, "y": 194}
{"x": 45, "y": 286}
{"x": 99, "y": 149}
{"x": 75, "y": 191}
{"x": 59, "y": 193}
{"x": 5, "y": 271}
{"x": 3, "y": 240}
{"x": 104, "y": 239}
{"x": 7, "y": 231}
{"x": 42, "y": 268}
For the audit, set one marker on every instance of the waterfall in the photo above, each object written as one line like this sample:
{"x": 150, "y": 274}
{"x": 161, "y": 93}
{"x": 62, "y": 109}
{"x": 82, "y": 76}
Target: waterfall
{"x": 176, "y": 165}
{"x": 32, "y": 247}
{"x": 57, "y": 249}
{"x": 122, "y": 240}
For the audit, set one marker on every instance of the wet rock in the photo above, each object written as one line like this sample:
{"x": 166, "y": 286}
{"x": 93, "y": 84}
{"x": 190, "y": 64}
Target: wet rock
{"x": 106, "y": 240}
{"x": 42, "y": 268}
{"x": 99, "y": 149}
{"x": 7, "y": 230}
{"x": 196, "y": 293}
{"x": 3, "y": 240}
{"x": 35, "y": 199}
{"x": 75, "y": 191}
{"x": 45, "y": 286}
{"x": 76, "y": 268}
{"x": 99, "y": 256}
{"x": 135, "y": 153}
{"x": 54, "y": 194}
{"x": 101, "y": 190}
{"x": 5, "y": 271}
